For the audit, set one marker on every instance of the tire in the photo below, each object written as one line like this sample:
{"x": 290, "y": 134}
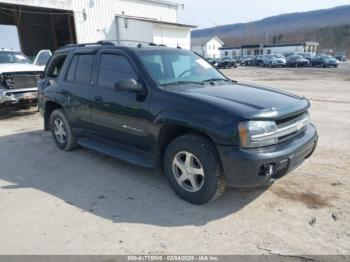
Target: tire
{"x": 68, "y": 140}
{"x": 204, "y": 158}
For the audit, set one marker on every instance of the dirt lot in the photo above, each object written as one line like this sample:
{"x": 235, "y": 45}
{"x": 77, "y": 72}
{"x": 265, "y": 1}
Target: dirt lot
{"x": 52, "y": 202}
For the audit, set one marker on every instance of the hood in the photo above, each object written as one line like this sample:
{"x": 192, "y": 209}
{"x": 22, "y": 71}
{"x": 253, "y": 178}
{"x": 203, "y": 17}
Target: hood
{"x": 13, "y": 68}
{"x": 251, "y": 101}
{"x": 331, "y": 60}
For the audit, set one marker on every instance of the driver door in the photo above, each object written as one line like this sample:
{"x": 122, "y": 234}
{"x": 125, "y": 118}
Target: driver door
{"x": 119, "y": 116}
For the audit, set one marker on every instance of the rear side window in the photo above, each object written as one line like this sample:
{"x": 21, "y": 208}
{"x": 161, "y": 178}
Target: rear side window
{"x": 55, "y": 67}
{"x": 71, "y": 70}
{"x": 80, "y": 69}
{"x": 114, "y": 68}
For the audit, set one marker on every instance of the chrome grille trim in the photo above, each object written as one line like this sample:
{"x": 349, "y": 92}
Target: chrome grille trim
{"x": 293, "y": 126}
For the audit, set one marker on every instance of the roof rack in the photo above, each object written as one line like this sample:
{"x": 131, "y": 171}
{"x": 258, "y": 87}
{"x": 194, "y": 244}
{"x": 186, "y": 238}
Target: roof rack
{"x": 100, "y": 43}
{"x": 140, "y": 44}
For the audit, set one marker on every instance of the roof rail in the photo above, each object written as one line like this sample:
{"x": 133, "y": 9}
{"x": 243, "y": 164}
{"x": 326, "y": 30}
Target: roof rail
{"x": 101, "y": 43}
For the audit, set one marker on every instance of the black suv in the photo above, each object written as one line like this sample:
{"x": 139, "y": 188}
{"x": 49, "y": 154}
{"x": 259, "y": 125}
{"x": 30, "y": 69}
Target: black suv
{"x": 167, "y": 108}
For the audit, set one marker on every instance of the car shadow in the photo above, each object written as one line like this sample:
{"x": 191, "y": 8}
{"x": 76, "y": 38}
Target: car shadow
{"x": 103, "y": 186}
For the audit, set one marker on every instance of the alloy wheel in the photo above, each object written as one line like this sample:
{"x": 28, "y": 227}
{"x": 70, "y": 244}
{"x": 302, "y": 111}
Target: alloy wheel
{"x": 60, "y": 131}
{"x": 188, "y": 171}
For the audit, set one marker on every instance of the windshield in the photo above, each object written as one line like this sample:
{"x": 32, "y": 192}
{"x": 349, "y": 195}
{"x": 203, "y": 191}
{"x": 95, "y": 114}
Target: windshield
{"x": 178, "y": 66}
{"x": 13, "y": 58}
{"x": 297, "y": 57}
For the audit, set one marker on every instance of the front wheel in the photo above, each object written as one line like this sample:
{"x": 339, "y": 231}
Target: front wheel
{"x": 193, "y": 169}
{"x": 61, "y": 131}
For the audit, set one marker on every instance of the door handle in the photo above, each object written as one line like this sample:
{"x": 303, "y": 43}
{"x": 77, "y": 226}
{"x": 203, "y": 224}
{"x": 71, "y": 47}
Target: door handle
{"x": 98, "y": 98}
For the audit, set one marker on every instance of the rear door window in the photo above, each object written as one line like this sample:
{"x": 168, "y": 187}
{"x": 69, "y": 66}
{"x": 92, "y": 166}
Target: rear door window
{"x": 80, "y": 69}
{"x": 70, "y": 77}
{"x": 84, "y": 69}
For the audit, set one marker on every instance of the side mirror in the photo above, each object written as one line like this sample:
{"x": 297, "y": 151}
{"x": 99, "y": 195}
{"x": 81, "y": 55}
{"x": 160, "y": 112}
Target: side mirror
{"x": 128, "y": 85}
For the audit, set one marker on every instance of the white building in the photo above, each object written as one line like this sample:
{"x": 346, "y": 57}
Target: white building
{"x": 207, "y": 47}
{"x": 52, "y": 23}
{"x": 280, "y": 49}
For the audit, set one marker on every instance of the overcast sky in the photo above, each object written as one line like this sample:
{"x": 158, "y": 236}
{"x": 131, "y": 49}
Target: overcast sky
{"x": 208, "y": 13}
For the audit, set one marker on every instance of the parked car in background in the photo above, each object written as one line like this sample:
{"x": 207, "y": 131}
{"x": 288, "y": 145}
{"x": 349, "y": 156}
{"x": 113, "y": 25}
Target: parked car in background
{"x": 18, "y": 78}
{"x": 166, "y": 108}
{"x": 238, "y": 59}
{"x": 324, "y": 61}
{"x": 274, "y": 61}
{"x": 247, "y": 60}
{"x": 341, "y": 56}
{"x": 297, "y": 61}
{"x": 227, "y": 62}
{"x": 288, "y": 54}
{"x": 308, "y": 56}
{"x": 257, "y": 61}
{"x": 214, "y": 62}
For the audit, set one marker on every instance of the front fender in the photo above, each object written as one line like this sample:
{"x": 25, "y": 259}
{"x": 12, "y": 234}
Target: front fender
{"x": 219, "y": 128}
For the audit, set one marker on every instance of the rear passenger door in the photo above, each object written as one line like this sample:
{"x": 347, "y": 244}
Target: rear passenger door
{"x": 121, "y": 117}
{"x": 77, "y": 89}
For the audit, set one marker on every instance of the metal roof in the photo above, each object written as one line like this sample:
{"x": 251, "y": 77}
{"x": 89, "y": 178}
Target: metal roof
{"x": 203, "y": 40}
{"x": 155, "y": 21}
{"x": 165, "y": 2}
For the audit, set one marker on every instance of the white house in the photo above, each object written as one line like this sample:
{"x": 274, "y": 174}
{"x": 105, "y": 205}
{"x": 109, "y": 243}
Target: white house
{"x": 49, "y": 24}
{"x": 253, "y": 50}
{"x": 207, "y": 47}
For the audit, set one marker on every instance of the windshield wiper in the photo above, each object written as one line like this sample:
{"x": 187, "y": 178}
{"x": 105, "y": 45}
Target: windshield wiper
{"x": 183, "y": 82}
{"x": 219, "y": 79}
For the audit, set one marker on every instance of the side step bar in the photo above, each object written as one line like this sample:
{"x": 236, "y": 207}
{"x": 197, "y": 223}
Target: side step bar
{"x": 118, "y": 153}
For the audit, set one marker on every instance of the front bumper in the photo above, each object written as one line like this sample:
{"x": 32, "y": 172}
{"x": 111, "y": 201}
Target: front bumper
{"x": 15, "y": 96}
{"x": 245, "y": 167}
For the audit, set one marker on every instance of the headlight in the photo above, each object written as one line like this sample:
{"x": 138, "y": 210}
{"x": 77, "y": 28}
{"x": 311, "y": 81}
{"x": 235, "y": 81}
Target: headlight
{"x": 253, "y": 133}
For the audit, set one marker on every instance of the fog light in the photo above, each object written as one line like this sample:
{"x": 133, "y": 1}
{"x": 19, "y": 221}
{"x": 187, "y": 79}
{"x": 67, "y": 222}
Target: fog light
{"x": 267, "y": 170}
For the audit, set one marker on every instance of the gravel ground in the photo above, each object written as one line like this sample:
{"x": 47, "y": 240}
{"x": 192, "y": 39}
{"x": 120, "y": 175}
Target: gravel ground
{"x": 82, "y": 202}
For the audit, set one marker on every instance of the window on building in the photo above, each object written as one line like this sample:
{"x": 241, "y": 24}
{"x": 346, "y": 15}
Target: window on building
{"x": 226, "y": 53}
{"x": 209, "y": 47}
{"x": 249, "y": 52}
{"x": 114, "y": 68}
{"x": 213, "y": 47}
{"x": 256, "y": 52}
{"x": 269, "y": 51}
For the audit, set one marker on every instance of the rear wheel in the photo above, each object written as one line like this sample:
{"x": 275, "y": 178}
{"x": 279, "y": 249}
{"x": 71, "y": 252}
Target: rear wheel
{"x": 61, "y": 131}
{"x": 193, "y": 169}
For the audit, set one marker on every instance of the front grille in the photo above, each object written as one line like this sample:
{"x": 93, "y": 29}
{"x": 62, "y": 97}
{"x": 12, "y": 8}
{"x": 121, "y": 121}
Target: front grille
{"x": 286, "y": 129}
{"x": 289, "y": 122}
{"x": 20, "y": 80}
